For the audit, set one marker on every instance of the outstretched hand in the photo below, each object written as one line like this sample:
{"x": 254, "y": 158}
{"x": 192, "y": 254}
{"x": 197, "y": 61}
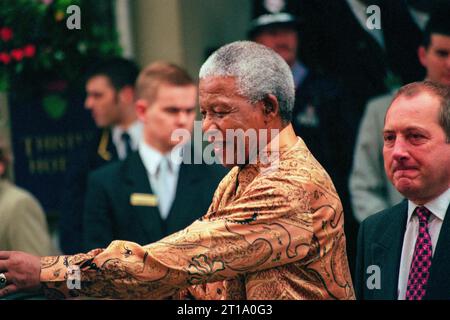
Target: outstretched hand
{"x": 19, "y": 271}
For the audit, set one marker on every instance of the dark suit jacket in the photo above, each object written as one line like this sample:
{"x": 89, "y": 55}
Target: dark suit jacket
{"x": 332, "y": 37}
{"x": 380, "y": 243}
{"x": 109, "y": 215}
{"x": 333, "y": 41}
{"x": 100, "y": 151}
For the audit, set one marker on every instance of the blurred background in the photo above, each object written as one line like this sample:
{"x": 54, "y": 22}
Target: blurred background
{"x": 42, "y": 117}
{"x": 46, "y": 47}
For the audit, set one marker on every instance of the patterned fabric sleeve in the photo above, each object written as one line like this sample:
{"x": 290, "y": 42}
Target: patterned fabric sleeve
{"x": 265, "y": 227}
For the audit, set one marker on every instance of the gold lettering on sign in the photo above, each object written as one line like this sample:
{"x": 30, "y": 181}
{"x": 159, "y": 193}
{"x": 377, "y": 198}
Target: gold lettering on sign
{"x": 47, "y": 165}
{"x": 47, "y": 154}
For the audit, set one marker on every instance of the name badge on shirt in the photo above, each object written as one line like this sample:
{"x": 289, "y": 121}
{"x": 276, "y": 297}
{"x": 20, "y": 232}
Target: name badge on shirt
{"x": 143, "y": 199}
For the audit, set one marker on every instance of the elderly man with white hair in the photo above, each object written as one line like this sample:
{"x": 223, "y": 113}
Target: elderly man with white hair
{"x": 274, "y": 229}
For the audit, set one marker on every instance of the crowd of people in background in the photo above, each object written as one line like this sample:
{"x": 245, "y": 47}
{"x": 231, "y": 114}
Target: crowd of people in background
{"x": 346, "y": 76}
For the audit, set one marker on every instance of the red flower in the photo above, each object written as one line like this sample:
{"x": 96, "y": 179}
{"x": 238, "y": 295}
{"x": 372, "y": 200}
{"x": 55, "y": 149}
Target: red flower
{"x": 6, "y": 34}
{"x": 29, "y": 50}
{"x": 17, "y": 54}
{"x": 5, "y": 58}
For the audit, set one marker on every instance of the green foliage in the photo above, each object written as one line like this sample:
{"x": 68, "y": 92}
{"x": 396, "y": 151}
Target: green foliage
{"x": 54, "y": 105}
{"x": 35, "y": 41}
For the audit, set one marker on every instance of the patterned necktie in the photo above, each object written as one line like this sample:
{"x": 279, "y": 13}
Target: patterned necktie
{"x": 127, "y": 141}
{"x": 421, "y": 262}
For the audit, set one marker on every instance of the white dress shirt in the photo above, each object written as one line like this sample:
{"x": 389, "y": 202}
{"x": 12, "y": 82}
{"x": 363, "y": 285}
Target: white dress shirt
{"x": 135, "y": 133}
{"x": 151, "y": 159}
{"x": 438, "y": 208}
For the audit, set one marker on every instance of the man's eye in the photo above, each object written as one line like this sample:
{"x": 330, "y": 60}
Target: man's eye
{"x": 220, "y": 114}
{"x": 442, "y": 53}
{"x": 416, "y": 136}
{"x": 388, "y": 138}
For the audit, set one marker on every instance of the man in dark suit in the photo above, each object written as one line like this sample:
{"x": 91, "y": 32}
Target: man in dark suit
{"x": 151, "y": 194}
{"x": 110, "y": 98}
{"x": 404, "y": 251}
{"x": 370, "y": 188}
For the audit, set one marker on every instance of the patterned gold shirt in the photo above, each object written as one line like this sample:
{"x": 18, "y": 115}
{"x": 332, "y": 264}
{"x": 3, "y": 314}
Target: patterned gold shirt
{"x": 271, "y": 232}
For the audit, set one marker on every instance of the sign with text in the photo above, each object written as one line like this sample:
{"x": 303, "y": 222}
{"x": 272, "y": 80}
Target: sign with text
{"x": 46, "y": 129}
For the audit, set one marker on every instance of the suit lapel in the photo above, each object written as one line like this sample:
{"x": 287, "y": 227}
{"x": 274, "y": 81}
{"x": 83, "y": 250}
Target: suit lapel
{"x": 439, "y": 281}
{"x": 137, "y": 181}
{"x": 186, "y": 187}
{"x": 388, "y": 249}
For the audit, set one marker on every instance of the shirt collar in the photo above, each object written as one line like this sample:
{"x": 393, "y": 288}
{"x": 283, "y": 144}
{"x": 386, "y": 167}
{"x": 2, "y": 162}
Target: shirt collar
{"x": 275, "y": 150}
{"x": 152, "y": 157}
{"x": 437, "y": 206}
{"x": 134, "y": 130}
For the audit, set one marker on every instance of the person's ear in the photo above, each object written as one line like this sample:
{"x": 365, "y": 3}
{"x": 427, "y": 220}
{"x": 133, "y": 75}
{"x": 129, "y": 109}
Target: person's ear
{"x": 126, "y": 95}
{"x": 141, "y": 106}
{"x": 271, "y": 106}
{"x": 422, "y": 53}
{"x": 2, "y": 169}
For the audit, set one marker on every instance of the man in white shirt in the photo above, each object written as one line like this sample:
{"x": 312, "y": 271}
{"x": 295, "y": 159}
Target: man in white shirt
{"x": 369, "y": 186}
{"x": 403, "y": 252}
{"x": 110, "y": 98}
{"x": 152, "y": 194}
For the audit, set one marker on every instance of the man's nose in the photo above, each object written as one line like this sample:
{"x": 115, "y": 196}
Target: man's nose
{"x": 208, "y": 124}
{"x": 183, "y": 118}
{"x": 400, "y": 150}
{"x": 88, "y": 103}
{"x": 210, "y": 129}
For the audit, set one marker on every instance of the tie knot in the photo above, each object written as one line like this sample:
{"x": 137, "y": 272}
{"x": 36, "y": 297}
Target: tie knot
{"x": 423, "y": 214}
{"x": 126, "y": 137}
{"x": 164, "y": 165}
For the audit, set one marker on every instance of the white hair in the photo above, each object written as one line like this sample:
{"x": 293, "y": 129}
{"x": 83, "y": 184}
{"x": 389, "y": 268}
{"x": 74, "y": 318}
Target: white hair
{"x": 258, "y": 70}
